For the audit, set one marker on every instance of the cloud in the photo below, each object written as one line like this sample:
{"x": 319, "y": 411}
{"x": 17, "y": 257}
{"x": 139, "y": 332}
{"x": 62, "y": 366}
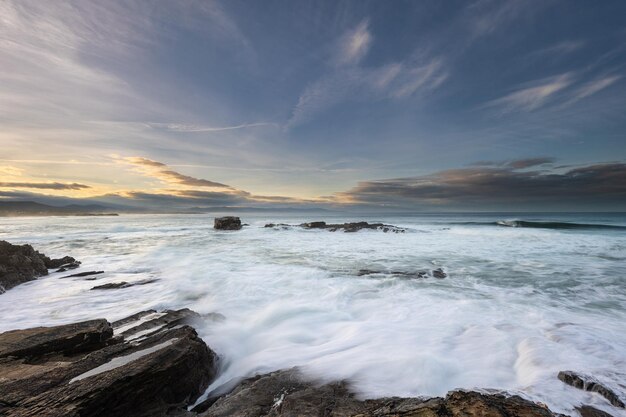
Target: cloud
{"x": 161, "y": 171}
{"x": 594, "y": 86}
{"x": 531, "y": 98}
{"x": 354, "y": 45}
{"x": 190, "y": 128}
{"x": 530, "y": 162}
{"x": 485, "y": 186}
{"x": 394, "y": 81}
{"x": 45, "y": 185}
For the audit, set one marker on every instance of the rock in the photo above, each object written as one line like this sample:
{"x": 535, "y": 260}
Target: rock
{"x": 57, "y": 263}
{"x": 591, "y": 384}
{"x": 66, "y": 267}
{"x": 352, "y": 227}
{"x": 287, "y": 393}
{"x": 227, "y": 223}
{"x": 84, "y": 274}
{"x": 314, "y": 225}
{"x": 278, "y": 226}
{"x": 123, "y": 284}
{"x": 438, "y": 273}
{"x": 22, "y": 263}
{"x": 67, "y": 339}
{"x": 417, "y": 274}
{"x": 589, "y": 411}
{"x": 152, "y": 368}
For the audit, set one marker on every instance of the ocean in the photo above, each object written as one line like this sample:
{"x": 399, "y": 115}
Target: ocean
{"x": 526, "y": 296}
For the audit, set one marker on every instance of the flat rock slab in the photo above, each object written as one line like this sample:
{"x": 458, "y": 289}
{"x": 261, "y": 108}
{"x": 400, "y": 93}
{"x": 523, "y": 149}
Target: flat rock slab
{"x": 153, "y": 369}
{"x": 286, "y": 393}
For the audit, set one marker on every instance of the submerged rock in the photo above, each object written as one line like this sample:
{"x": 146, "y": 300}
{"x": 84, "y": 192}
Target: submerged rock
{"x": 84, "y": 274}
{"x": 227, "y": 223}
{"x": 287, "y": 393}
{"x": 437, "y": 273}
{"x": 416, "y": 274}
{"x": 591, "y": 384}
{"x": 22, "y": 263}
{"x": 153, "y": 366}
{"x": 123, "y": 284}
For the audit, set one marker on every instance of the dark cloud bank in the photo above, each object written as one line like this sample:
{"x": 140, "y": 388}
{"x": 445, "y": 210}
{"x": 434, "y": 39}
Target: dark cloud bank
{"x": 505, "y": 186}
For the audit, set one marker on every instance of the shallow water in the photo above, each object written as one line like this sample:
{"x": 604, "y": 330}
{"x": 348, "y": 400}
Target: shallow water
{"x": 519, "y": 304}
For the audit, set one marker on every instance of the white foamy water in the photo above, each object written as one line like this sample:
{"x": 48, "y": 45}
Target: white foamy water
{"x": 519, "y": 304}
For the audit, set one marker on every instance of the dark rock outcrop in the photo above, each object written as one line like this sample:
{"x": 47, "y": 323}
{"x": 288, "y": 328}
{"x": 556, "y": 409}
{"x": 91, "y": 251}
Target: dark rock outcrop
{"x": 353, "y": 227}
{"x": 153, "y": 366}
{"x": 286, "y": 393}
{"x": 22, "y": 263}
{"x": 333, "y": 227}
{"x": 438, "y": 273}
{"x": 589, "y": 383}
{"x": 227, "y": 223}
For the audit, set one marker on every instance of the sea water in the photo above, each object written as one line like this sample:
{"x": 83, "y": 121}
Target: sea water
{"x": 522, "y": 301}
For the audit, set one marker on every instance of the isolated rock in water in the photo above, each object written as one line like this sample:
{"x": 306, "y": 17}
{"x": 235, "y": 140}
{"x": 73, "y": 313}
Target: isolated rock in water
{"x": 227, "y": 223}
{"x": 589, "y": 411}
{"x": 286, "y": 393}
{"x": 149, "y": 371}
{"x": 352, "y": 227}
{"x": 438, "y": 273}
{"x": 22, "y": 263}
{"x": 589, "y": 383}
{"x": 123, "y": 284}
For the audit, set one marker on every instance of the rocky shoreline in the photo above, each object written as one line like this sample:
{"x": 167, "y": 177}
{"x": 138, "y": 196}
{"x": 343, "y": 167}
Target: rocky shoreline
{"x": 153, "y": 364}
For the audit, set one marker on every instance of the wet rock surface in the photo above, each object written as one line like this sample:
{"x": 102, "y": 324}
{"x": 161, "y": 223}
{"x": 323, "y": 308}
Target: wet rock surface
{"x": 22, "y": 263}
{"x": 286, "y": 393}
{"x": 84, "y": 274}
{"x": 227, "y": 223}
{"x": 589, "y": 411}
{"x": 123, "y": 284}
{"x": 589, "y": 383}
{"x": 150, "y": 364}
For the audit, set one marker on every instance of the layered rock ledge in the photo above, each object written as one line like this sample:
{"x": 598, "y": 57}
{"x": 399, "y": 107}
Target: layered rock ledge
{"x": 150, "y": 364}
{"x": 22, "y": 263}
{"x": 153, "y": 364}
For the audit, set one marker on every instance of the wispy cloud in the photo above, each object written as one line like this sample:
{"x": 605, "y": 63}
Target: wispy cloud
{"x": 190, "y": 128}
{"x": 533, "y": 97}
{"x": 45, "y": 185}
{"x": 594, "y": 86}
{"x": 350, "y": 81}
{"x": 161, "y": 171}
{"x": 354, "y": 45}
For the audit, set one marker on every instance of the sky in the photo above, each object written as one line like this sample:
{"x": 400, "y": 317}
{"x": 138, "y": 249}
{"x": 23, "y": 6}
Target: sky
{"x": 416, "y": 105}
